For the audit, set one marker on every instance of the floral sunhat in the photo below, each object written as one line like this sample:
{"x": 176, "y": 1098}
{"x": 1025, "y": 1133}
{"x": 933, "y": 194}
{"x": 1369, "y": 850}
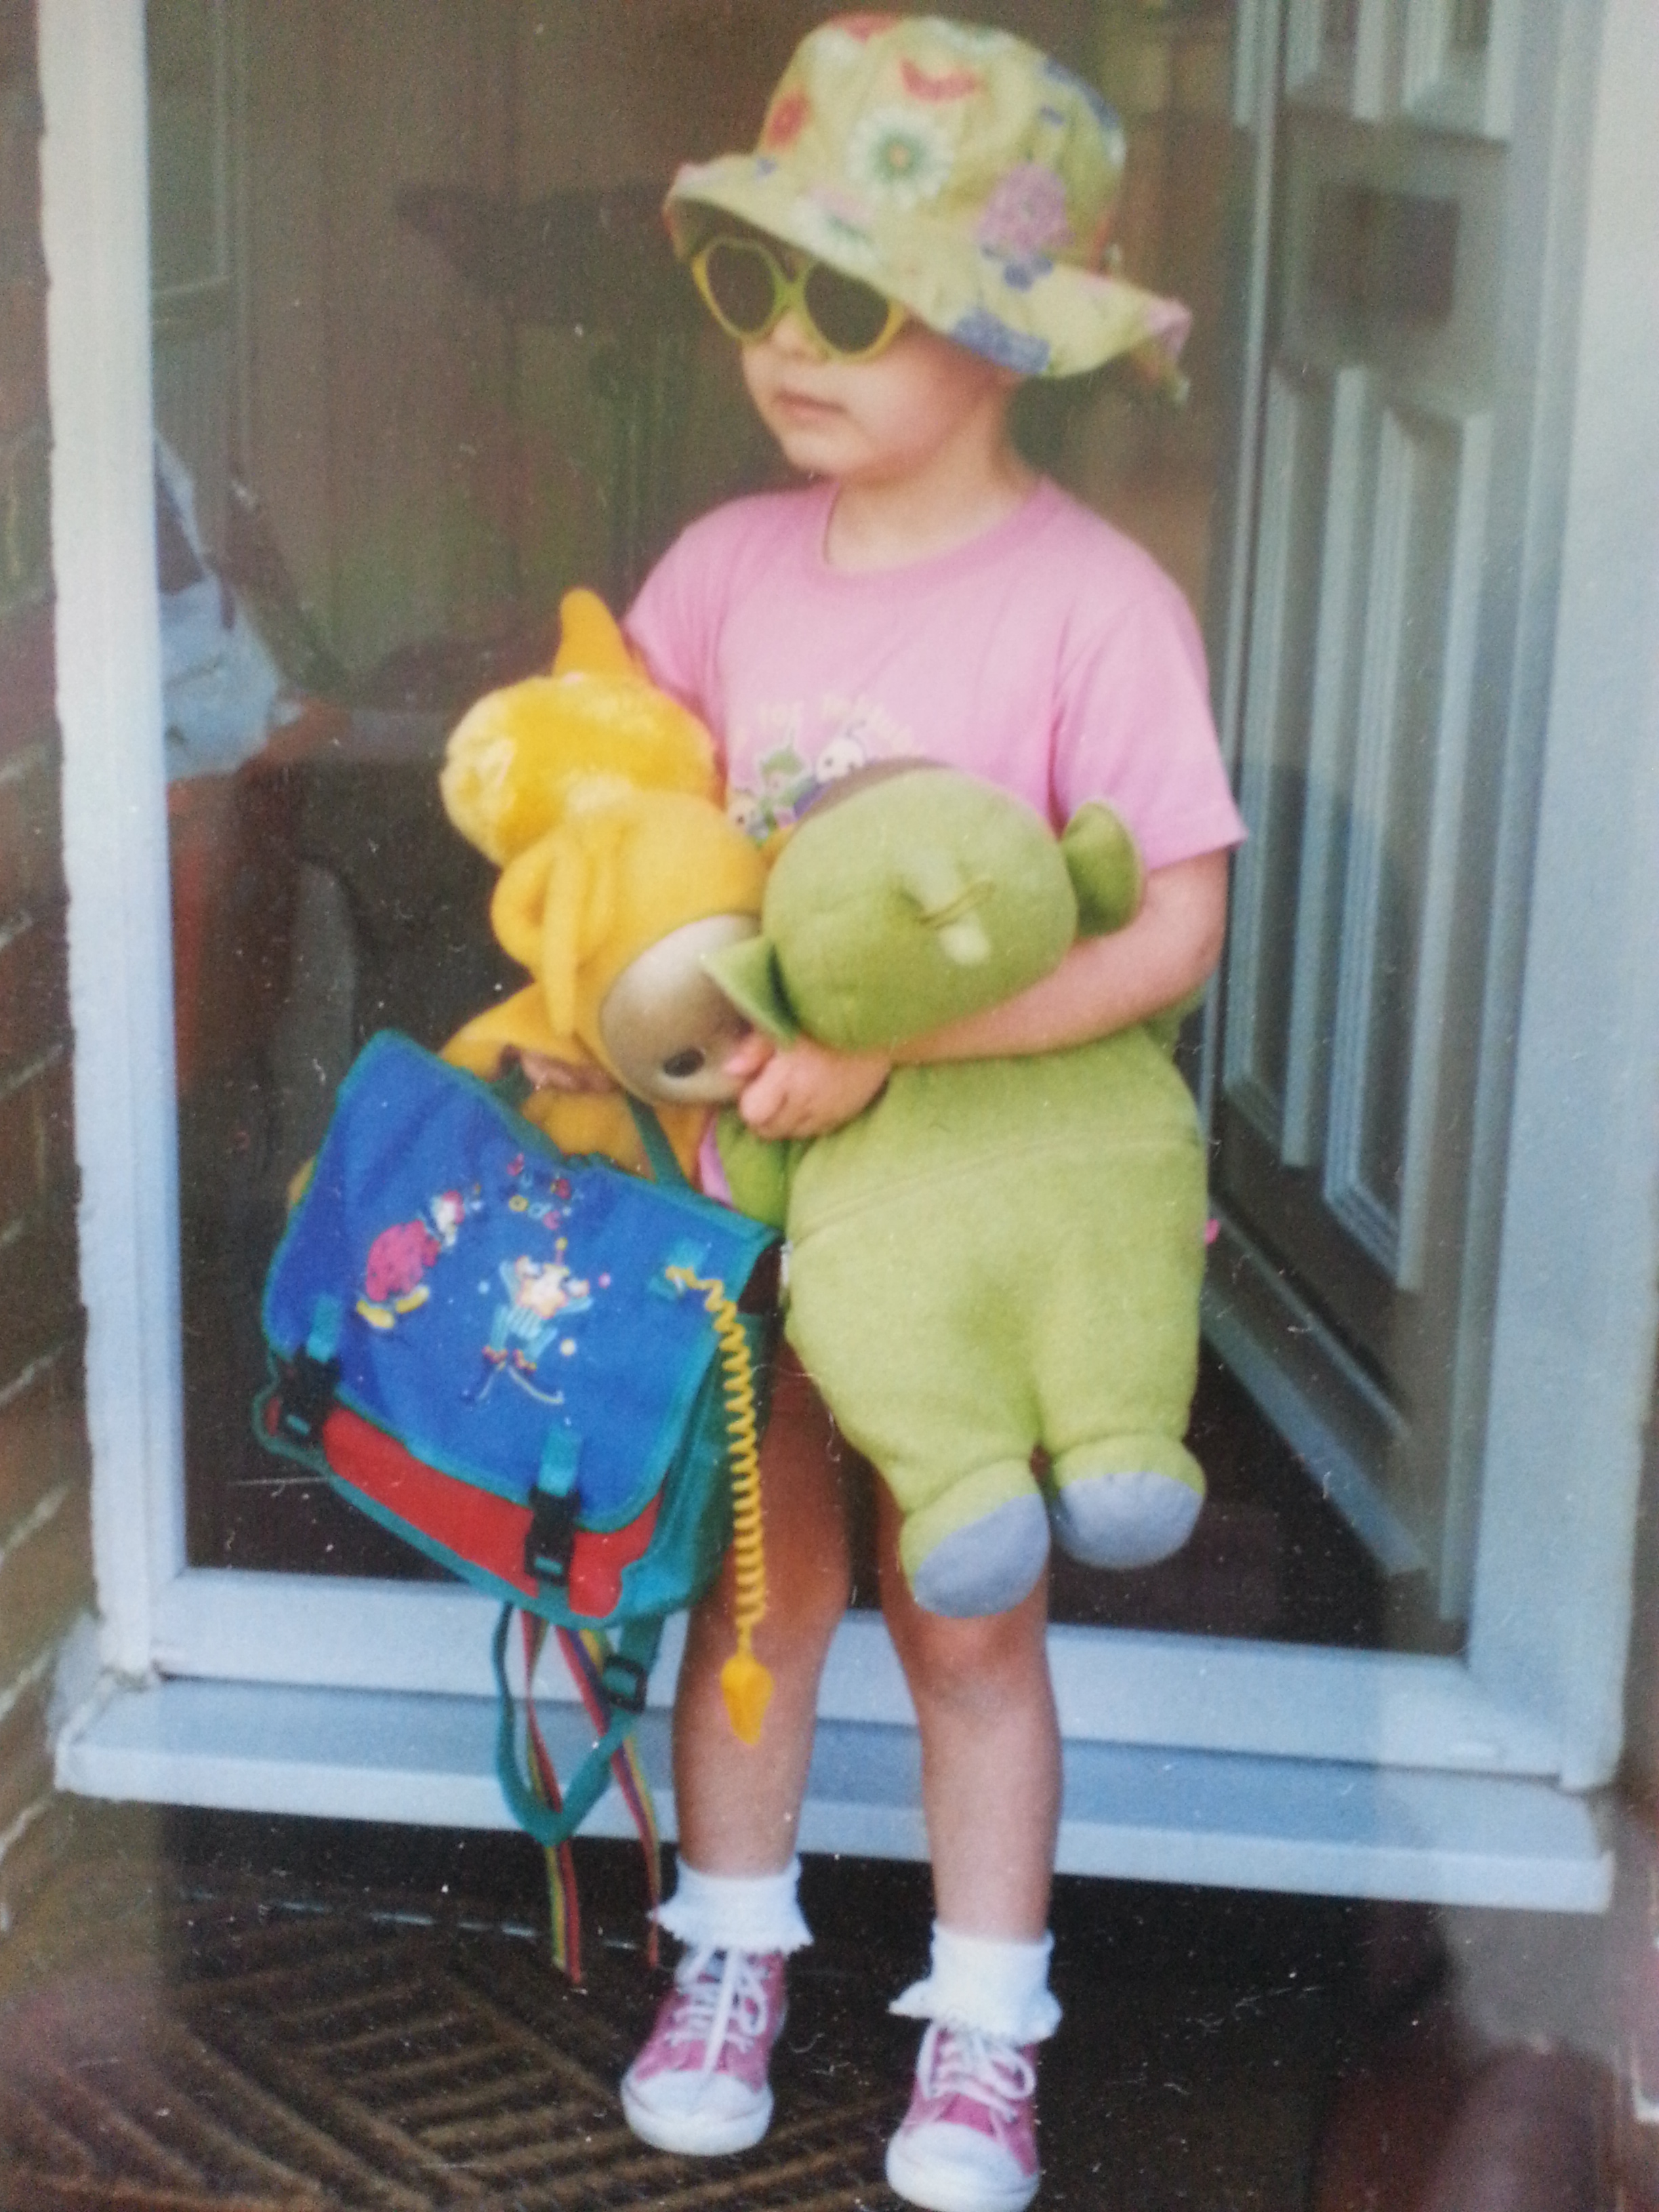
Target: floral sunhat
{"x": 963, "y": 174}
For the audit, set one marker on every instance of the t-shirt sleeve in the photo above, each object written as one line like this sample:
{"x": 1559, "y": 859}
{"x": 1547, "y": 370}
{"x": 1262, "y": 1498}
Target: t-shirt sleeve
{"x": 1134, "y": 727}
{"x": 673, "y": 623}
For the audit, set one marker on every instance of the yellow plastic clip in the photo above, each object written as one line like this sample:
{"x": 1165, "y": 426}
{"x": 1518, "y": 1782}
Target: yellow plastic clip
{"x": 745, "y": 1682}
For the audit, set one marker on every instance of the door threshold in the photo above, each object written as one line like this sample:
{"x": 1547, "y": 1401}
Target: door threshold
{"x": 1131, "y": 1812}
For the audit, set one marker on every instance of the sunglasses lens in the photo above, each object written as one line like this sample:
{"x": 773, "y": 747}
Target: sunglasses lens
{"x": 849, "y": 316}
{"x": 741, "y": 285}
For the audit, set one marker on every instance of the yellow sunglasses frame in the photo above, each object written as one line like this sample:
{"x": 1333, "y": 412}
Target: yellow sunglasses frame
{"x": 789, "y": 290}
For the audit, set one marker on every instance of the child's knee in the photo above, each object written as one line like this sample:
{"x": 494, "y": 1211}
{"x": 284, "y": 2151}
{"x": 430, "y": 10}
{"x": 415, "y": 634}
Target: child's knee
{"x": 967, "y": 1667}
{"x": 807, "y": 1594}
{"x": 804, "y": 1514}
{"x": 807, "y": 1590}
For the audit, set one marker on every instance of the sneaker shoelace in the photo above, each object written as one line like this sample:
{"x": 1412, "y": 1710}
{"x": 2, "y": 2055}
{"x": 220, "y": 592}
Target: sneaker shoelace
{"x": 966, "y": 2062}
{"x": 718, "y": 2008}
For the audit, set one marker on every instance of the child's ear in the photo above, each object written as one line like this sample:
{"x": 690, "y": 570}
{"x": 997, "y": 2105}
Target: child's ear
{"x": 1104, "y": 862}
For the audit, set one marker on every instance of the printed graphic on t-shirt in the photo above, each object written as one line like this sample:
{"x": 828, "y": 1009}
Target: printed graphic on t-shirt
{"x": 785, "y": 753}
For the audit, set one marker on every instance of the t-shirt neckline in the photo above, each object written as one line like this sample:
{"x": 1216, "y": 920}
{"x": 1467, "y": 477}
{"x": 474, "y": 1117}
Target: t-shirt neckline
{"x": 1020, "y": 522}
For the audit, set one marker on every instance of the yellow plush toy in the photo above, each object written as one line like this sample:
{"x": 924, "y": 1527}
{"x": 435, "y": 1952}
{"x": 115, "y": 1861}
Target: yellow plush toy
{"x": 512, "y": 758}
{"x": 594, "y": 792}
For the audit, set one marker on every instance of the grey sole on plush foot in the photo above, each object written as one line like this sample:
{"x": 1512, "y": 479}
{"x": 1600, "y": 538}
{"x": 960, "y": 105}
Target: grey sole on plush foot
{"x": 988, "y": 1566}
{"x": 1124, "y": 1520}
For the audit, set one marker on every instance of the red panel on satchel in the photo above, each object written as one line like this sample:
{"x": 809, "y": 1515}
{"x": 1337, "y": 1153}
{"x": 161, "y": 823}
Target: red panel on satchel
{"x": 476, "y": 1524}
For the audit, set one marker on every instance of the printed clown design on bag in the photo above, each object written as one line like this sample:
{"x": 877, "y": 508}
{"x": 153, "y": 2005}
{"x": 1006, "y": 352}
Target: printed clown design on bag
{"x": 534, "y": 1298}
{"x": 525, "y": 1195}
{"x": 541, "y": 1295}
{"x": 784, "y": 765}
{"x": 400, "y": 1257}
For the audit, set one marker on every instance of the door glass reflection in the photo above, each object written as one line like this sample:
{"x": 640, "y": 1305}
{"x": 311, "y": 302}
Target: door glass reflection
{"x": 423, "y": 362}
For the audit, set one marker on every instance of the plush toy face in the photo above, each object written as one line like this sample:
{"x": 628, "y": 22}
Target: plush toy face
{"x": 613, "y": 912}
{"x": 666, "y": 1026}
{"x": 913, "y": 899}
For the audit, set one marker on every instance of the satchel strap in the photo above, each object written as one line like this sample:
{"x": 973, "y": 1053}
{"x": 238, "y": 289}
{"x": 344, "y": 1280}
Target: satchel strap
{"x": 636, "y": 1647}
{"x": 591, "y": 1662}
{"x": 514, "y": 1090}
{"x": 659, "y": 1152}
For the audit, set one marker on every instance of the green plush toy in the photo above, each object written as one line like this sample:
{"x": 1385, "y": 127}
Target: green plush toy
{"x": 998, "y": 1258}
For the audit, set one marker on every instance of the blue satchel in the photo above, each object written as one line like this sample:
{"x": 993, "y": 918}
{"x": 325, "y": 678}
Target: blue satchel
{"x": 543, "y": 1372}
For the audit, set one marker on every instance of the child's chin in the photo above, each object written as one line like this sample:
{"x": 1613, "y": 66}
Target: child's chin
{"x": 817, "y": 440}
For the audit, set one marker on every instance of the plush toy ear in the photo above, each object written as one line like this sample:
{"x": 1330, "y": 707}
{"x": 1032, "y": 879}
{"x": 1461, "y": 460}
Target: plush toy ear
{"x": 1104, "y": 862}
{"x": 559, "y": 954}
{"x": 748, "y": 973}
{"x": 579, "y": 911}
{"x": 590, "y": 643}
{"x": 542, "y": 915}
{"x": 516, "y": 904}
{"x": 946, "y": 903}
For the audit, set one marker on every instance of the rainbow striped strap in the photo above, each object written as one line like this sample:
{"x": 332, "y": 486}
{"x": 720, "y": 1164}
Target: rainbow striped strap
{"x": 585, "y": 1651}
{"x": 564, "y": 1902}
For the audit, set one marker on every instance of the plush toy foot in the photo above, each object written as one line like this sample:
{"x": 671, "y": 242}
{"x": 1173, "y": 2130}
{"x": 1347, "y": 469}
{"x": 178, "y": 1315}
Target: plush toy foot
{"x": 988, "y": 1566}
{"x": 1128, "y": 1520}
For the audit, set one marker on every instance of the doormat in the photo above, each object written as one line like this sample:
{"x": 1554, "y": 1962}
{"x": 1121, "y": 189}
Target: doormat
{"x": 246, "y": 2053}
{"x": 232, "y": 2013}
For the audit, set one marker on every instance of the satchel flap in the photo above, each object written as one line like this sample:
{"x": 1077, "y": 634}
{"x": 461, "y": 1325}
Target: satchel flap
{"x": 500, "y": 1304}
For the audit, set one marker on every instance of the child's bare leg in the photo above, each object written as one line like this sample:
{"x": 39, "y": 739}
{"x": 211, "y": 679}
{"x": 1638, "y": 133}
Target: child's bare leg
{"x": 990, "y": 1750}
{"x": 699, "y": 2084}
{"x": 990, "y": 1789}
{"x": 739, "y": 1805}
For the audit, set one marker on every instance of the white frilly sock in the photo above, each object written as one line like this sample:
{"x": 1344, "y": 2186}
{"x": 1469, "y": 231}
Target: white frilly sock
{"x": 755, "y": 1912}
{"x": 979, "y": 1981}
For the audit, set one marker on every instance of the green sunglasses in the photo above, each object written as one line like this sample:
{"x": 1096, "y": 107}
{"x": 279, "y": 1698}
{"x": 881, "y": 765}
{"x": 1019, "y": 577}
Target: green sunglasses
{"x": 749, "y": 289}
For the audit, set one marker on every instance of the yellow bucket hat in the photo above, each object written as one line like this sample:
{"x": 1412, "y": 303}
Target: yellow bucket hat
{"x": 960, "y": 171}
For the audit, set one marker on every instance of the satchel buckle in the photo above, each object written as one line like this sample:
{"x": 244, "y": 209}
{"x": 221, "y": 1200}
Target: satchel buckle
{"x": 550, "y": 1538}
{"x": 306, "y": 1388}
{"x": 624, "y": 1681}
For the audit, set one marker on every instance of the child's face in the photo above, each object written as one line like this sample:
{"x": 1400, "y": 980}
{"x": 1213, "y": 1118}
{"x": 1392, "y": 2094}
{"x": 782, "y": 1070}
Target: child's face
{"x": 879, "y": 420}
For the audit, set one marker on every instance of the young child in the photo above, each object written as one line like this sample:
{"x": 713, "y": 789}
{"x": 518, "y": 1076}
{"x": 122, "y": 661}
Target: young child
{"x": 922, "y": 226}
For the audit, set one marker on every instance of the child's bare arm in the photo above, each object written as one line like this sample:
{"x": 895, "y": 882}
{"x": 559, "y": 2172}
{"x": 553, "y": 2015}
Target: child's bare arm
{"x": 1104, "y": 983}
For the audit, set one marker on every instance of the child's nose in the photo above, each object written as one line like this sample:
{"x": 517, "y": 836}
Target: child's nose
{"x": 793, "y": 334}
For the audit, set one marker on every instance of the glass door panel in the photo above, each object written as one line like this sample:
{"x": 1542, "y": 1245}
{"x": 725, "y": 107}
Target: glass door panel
{"x": 424, "y": 361}
{"x": 1363, "y": 1053}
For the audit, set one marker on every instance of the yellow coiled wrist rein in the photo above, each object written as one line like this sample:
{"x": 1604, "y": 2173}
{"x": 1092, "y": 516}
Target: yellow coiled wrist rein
{"x": 745, "y": 1682}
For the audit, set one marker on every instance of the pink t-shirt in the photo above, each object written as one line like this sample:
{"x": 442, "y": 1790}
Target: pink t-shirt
{"x": 1049, "y": 655}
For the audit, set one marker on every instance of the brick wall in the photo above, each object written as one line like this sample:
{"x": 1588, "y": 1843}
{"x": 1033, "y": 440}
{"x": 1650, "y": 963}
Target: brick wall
{"x": 44, "y": 1555}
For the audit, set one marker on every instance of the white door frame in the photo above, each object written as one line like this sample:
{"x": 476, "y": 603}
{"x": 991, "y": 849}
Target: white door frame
{"x": 1540, "y": 1690}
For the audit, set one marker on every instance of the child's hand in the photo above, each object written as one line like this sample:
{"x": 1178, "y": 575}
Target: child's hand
{"x": 805, "y": 1090}
{"x": 543, "y": 1073}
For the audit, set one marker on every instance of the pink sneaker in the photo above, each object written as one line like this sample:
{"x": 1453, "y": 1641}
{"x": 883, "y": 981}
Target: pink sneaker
{"x": 968, "y": 2141}
{"x": 699, "y": 2084}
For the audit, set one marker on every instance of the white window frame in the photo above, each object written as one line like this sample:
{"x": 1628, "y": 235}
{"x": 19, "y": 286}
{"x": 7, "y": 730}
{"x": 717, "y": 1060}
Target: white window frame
{"x": 1538, "y": 1690}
